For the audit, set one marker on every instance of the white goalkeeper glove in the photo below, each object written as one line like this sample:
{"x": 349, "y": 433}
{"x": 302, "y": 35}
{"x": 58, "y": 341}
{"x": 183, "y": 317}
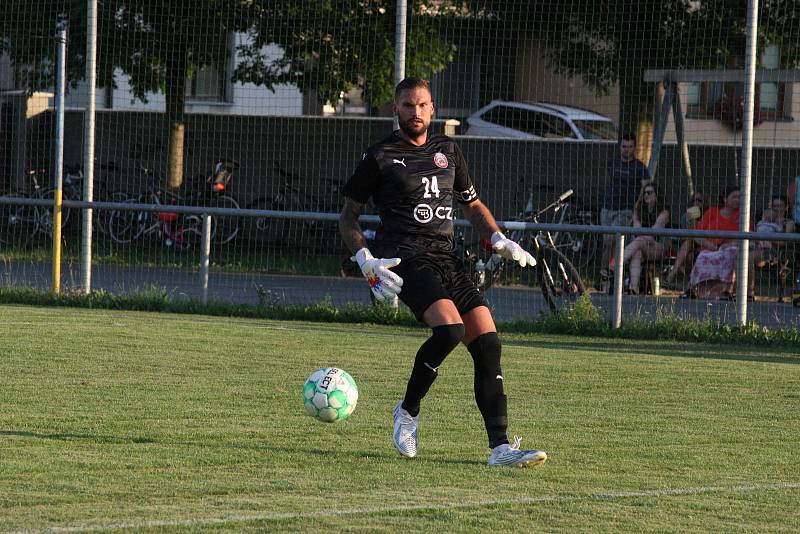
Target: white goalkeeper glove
{"x": 510, "y": 250}
{"x": 383, "y": 282}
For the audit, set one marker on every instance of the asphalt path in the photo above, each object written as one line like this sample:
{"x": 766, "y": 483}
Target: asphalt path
{"x": 507, "y": 303}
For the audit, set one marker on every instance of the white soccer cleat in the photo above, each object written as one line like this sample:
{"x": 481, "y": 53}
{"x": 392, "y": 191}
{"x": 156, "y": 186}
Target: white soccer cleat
{"x": 405, "y": 431}
{"x": 510, "y": 455}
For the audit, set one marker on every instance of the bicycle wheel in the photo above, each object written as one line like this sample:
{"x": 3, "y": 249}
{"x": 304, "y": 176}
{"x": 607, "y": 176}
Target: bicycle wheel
{"x": 266, "y": 229}
{"x": 17, "y": 222}
{"x": 561, "y": 284}
{"x": 44, "y": 215}
{"x": 580, "y": 248}
{"x": 101, "y": 217}
{"x": 186, "y": 230}
{"x": 225, "y": 227}
{"x": 125, "y": 226}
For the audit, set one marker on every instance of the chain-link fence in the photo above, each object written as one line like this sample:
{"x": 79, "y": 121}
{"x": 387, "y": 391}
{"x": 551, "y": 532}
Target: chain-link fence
{"x": 263, "y": 105}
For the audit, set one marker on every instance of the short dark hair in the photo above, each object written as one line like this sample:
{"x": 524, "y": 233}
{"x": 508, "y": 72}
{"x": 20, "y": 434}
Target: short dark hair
{"x": 412, "y": 82}
{"x": 628, "y": 136}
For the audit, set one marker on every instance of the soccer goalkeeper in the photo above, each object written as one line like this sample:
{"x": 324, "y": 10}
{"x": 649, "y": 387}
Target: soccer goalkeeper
{"x": 413, "y": 178}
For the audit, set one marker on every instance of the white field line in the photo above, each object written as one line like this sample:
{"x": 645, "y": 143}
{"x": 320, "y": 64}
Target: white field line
{"x": 209, "y": 521}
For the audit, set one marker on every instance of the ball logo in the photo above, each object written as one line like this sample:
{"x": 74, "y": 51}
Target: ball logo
{"x": 423, "y": 213}
{"x": 440, "y": 160}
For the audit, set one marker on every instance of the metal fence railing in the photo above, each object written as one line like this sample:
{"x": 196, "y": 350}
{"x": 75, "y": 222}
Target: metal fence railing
{"x": 204, "y": 269}
{"x": 537, "y": 95}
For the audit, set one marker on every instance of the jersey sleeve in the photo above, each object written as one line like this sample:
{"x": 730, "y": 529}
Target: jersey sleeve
{"x": 364, "y": 181}
{"x": 463, "y": 188}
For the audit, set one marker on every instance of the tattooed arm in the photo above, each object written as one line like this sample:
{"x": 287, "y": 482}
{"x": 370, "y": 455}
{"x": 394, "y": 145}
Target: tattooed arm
{"x": 351, "y": 232}
{"x": 480, "y": 218}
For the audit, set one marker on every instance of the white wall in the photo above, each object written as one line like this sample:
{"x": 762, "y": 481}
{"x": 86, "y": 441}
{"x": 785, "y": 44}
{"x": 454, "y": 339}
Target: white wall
{"x": 768, "y": 133}
{"x": 246, "y": 99}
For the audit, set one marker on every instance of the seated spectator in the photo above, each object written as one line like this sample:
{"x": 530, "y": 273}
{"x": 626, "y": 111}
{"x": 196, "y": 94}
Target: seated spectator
{"x": 793, "y": 194}
{"x": 781, "y": 207}
{"x": 714, "y": 270}
{"x": 767, "y": 224}
{"x": 688, "y": 249}
{"x": 773, "y": 219}
{"x": 648, "y": 212}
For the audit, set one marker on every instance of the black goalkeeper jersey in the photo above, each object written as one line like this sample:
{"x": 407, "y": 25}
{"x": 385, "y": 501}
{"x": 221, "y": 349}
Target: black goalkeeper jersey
{"x": 413, "y": 188}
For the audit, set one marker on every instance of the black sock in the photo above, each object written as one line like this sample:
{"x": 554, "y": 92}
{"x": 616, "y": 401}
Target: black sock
{"x": 429, "y": 357}
{"x": 489, "y": 396}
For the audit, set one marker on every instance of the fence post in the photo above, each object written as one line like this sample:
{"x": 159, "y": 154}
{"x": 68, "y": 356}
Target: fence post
{"x": 58, "y": 159}
{"x": 742, "y": 269}
{"x": 616, "y": 321}
{"x": 400, "y": 25}
{"x": 88, "y": 144}
{"x": 205, "y": 254}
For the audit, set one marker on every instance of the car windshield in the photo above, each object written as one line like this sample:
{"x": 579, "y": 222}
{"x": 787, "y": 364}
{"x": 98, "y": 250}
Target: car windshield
{"x": 597, "y": 129}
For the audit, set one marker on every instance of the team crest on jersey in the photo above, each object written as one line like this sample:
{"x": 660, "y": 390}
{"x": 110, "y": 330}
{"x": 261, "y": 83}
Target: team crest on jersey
{"x": 440, "y": 160}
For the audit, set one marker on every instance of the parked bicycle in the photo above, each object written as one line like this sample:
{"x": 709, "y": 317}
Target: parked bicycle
{"x": 293, "y": 194}
{"x": 558, "y": 278}
{"x": 20, "y": 222}
{"x": 580, "y": 248}
{"x": 26, "y": 222}
{"x": 71, "y": 189}
{"x": 177, "y": 229}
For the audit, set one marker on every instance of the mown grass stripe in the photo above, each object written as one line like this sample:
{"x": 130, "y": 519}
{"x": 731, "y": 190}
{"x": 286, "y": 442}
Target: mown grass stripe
{"x": 608, "y": 496}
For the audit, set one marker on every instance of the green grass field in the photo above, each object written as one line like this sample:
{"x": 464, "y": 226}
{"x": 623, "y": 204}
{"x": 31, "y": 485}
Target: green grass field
{"x": 117, "y": 421}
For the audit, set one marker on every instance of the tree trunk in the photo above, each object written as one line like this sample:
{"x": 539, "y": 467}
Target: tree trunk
{"x": 636, "y": 112}
{"x": 176, "y": 101}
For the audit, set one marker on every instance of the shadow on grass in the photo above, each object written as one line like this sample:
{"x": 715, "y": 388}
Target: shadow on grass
{"x": 77, "y": 437}
{"x": 660, "y": 348}
{"x": 388, "y": 455}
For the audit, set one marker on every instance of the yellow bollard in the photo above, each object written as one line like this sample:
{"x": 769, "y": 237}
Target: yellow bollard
{"x": 57, "y": 200}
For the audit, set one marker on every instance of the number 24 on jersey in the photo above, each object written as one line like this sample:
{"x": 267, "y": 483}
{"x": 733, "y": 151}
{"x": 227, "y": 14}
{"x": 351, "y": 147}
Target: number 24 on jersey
{"x": 431, "y": 186}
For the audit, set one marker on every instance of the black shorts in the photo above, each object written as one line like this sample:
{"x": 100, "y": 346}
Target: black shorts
{"x": 436, "y": 275}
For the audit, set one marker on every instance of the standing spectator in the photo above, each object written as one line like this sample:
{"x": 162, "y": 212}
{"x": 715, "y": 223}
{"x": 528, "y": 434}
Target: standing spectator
{"x": 626, "y": 175}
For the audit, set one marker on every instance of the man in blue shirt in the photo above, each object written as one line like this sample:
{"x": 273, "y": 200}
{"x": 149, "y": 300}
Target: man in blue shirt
{"x": 626, "y": 176}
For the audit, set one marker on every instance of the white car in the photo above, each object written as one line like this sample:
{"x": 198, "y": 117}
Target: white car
{"x": 538, "y": 120}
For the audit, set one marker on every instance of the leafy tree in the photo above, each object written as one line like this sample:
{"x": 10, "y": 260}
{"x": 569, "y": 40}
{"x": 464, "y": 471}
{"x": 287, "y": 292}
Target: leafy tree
{"x": 326, "y": 46}
{"x": 157, "y": 44}
{"x": 332, "y": 46}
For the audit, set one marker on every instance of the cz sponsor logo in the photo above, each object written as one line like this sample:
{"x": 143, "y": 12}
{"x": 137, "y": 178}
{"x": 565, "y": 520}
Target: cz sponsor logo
{"x": 424, "y": 213}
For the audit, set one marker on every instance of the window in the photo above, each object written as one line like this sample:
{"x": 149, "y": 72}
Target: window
{"x": 712, "y": 100}
{"x": 555, "y": 127}
{"x": 597, "y": 130}
{"x": 771, "y": 97}
{"x": 532, "y": 122}
{"x": 207, "y": 85}
{"x": 211, "y": 83}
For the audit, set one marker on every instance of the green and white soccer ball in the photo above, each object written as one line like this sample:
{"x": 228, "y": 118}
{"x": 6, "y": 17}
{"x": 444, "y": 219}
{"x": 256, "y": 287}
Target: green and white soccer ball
{"x": 330, "y": 394}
